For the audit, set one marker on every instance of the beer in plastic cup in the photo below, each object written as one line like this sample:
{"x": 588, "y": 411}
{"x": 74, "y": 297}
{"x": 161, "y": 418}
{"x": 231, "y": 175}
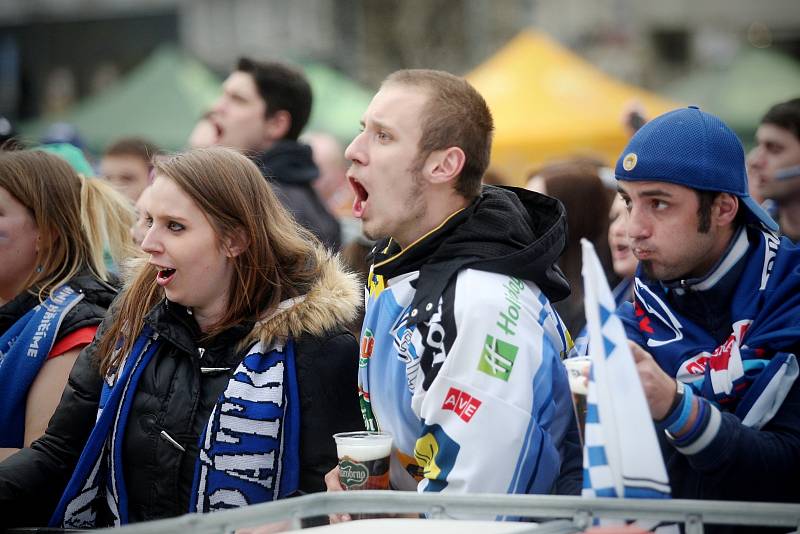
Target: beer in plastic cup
{"x": 578, "y": 374}
{"x": 364, "y": 459}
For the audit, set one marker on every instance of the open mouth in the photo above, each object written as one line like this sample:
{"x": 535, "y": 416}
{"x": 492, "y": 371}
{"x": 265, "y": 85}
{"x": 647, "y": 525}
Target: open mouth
{"x": 165, "y": 276}
{"x": 361, "y": 196}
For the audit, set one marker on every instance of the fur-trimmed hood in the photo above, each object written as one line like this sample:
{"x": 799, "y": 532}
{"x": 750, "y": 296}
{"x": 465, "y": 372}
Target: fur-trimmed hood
{"x": 333, "y": 301}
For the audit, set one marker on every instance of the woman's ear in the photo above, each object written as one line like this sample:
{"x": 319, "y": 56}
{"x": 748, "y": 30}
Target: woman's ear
{"x": 236, "y": 243}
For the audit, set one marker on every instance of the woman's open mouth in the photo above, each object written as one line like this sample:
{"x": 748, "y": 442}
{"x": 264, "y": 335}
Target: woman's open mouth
{"x": 165, "y": 276}
{"x": 620, "y": 251}
{"x": 361, "y": 197}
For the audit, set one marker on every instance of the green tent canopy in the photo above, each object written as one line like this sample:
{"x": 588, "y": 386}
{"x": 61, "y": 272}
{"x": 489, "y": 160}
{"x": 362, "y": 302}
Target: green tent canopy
{"x": 744, "y": 90}
{"x": 163, "y": 98}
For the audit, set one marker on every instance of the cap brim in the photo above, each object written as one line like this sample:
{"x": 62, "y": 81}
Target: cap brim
{"x": 758, "y": 212}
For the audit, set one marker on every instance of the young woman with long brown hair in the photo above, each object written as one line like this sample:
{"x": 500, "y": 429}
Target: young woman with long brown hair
{"x": 54, "y": 284}
{"x": 220, "y": 375}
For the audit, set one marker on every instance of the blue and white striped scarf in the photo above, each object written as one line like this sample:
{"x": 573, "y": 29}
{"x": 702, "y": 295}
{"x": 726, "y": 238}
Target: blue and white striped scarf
{"x": 23, "y": 350}
{"x": 249, "y": 451}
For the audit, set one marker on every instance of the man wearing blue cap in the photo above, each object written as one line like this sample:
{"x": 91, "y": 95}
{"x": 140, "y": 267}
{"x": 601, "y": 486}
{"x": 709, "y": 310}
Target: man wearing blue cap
{"x": 715, "y": 325}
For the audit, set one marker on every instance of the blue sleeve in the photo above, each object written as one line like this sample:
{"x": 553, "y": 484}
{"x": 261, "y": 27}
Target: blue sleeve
{"x": 746, "y": 463}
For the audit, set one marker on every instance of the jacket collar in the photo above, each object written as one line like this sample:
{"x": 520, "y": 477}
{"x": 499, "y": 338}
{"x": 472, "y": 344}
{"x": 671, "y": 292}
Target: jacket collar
{"x": 332, "y": 301}
{"x": 288, "y": 162}
{"x": 506, "y": 230}
{"x": 723, "y": 273}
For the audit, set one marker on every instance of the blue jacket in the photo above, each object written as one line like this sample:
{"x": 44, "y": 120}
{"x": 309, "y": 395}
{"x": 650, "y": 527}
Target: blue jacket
{"x": 755, "y": 288}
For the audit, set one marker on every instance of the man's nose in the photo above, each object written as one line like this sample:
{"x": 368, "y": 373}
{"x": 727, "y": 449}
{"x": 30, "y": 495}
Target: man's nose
{"x": 355, "y": 151}
{"x": 219, "y": 105}
{"x": 637, "y": 225}
{"x": 755, "y": 158}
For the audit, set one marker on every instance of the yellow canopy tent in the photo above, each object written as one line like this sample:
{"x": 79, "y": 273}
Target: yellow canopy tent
{"x": 548, "y": 103}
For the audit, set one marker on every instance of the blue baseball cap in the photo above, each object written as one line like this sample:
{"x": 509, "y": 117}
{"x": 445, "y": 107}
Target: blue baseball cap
{"x": 691, "y": 148}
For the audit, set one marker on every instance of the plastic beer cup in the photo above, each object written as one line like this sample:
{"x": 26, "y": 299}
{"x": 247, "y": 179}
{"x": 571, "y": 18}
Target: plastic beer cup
{"x": 364, "y": 459}
{"x": 578, "y": 374}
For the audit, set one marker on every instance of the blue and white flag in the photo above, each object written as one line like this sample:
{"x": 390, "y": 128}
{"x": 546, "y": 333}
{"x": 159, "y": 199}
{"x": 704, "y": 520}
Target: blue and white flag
{"x": 621, "y": 455}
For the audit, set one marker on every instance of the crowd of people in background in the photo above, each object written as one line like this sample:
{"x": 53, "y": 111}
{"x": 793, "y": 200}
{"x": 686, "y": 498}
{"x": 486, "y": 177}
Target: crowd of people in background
{"x": 185, "y": 332}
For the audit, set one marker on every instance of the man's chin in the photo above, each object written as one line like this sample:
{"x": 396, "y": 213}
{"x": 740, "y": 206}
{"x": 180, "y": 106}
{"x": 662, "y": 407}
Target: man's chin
{"x": 662, "y": 275}
{"x": 651, "y": 272}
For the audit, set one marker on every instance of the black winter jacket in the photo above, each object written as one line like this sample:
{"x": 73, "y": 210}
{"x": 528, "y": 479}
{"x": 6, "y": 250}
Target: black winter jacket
{"x": 290, "y": 170}
{"x": 174, "y": 396}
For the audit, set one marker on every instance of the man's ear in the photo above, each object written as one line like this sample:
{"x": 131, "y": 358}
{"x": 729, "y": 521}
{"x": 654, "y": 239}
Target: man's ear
{"x": 277, "y": 125}
{"x": 726, "y": 207}
{"x": 445, "y": 165}
{"x": 236, "y": 243}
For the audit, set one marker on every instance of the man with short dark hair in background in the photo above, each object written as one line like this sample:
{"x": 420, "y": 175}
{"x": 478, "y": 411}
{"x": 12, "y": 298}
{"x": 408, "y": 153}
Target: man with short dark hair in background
{"x": 262, "y": 110}
{"x": 774, "y": 163}
{"x": 716, "y": 317}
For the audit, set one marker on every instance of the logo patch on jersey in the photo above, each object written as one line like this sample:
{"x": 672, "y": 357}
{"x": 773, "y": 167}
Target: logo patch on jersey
{"x": 409, "y": 464}
{"x": 408, "y": 343}
{"x": 693, "y": 367}
{"x": 497, "y": 358}
{"x": 375, "y": 284}
{"x": 463, "y": 404}
{"x": 656, "y": 309}
{"x": 436, "y": 453}
{"x": 508, "y": 318}
{"x": 367, "y": 346}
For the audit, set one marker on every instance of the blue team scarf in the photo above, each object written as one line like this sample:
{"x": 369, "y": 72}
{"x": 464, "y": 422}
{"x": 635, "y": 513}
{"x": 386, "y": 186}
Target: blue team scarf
{"x": 249, "y": 451}
{"x": 751, "y": 372}
{"x": 23, "y": 350}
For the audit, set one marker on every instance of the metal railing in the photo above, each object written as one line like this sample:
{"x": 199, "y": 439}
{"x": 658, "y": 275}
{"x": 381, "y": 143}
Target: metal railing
{"x": 578, "y": 510}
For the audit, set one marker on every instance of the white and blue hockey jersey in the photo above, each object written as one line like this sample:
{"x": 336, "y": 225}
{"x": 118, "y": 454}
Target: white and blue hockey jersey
{"x": 469, "y": 383}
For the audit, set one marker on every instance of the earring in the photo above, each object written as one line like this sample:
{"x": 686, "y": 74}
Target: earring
{"x": 39, "y": 268}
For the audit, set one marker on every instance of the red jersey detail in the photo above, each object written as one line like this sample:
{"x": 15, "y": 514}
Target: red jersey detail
{"x": 644, "y": 325}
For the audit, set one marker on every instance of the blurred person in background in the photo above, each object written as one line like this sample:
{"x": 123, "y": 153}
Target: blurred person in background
{"x": 8, "y": 135}
{"x": 204, "y": 134}
{"x": 140, "y": 226}
{"x": 774, "y": 164}
{"x": 54, "y": 285}
{"x": 331, "y": 185}
{"x": 262, "y": 110}
{"x": 72, "y": 155}
{"x": 623, "y": 263}
{"x": 226, "y": 352}
{"x": 126, "y": 165}
{"x": 622, "y": 259}
{"x": 785, "y": 192}
{"x": 60, "y": 133}
{"x": 587, "y": 201}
